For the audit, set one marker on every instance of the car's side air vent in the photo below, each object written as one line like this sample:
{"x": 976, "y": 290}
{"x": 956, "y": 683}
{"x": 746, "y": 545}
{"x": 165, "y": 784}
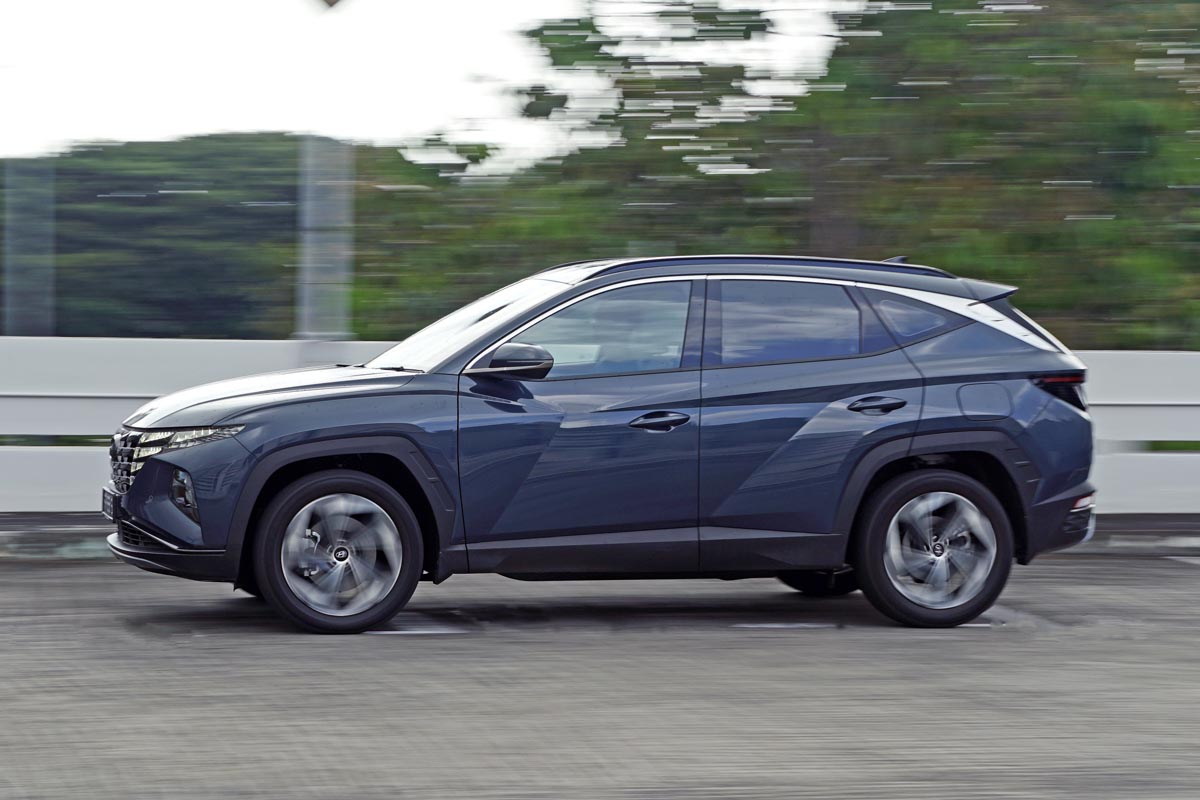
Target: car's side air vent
{"x": 1068, "y": 388}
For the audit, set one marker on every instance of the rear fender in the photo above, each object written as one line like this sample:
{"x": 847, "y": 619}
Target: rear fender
{"x": 1001, "y": 447}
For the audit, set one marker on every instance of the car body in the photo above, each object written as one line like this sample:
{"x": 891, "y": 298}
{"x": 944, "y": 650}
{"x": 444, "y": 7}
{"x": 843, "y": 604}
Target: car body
{"x": 709, "y": 416}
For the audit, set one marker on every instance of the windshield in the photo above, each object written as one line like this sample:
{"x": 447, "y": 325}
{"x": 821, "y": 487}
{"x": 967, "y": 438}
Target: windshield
{"x": 432, "y": 345}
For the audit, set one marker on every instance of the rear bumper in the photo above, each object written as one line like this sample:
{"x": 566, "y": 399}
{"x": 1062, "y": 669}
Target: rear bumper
{"x": 1056, "y": 525}
{"x": 196, "y": 565}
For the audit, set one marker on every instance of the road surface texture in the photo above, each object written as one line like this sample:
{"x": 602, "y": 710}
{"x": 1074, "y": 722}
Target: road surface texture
{"x": 1083, "y": 682}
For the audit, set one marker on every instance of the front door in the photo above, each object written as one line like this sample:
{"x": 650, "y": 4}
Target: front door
{"x": 594, "y": 467}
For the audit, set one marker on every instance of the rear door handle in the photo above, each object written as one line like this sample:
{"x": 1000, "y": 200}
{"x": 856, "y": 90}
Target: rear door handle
{"x": 877, "y": 406}
{"x": 660, "y": 421}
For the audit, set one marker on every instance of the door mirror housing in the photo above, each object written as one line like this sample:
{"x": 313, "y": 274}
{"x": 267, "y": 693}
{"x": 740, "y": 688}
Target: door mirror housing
{"x": 518, "y": 360}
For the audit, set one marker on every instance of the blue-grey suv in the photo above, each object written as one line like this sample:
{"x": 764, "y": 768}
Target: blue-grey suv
{"x": 840, "y": 425}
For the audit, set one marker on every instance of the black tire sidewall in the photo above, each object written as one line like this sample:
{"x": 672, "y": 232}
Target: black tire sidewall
{"x": 870, "y": 544}
{"x": 273, "y": 524}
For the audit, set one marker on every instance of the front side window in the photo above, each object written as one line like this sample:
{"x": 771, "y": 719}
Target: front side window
{"x": 760, "y": 322}
{"x": 632, "y": 329}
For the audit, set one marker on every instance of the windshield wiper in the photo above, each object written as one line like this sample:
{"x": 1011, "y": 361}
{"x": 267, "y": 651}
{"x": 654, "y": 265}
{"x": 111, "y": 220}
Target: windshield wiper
{"x": 390, "y": 369}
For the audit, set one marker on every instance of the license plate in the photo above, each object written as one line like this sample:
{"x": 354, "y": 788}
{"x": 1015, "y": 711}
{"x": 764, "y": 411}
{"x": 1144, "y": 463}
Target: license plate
{"x": 108, "y": 502}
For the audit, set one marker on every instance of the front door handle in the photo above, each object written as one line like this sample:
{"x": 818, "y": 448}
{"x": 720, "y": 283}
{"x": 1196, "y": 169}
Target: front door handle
{"x": 660, "y": 421}
{"x": 877, "y": 406}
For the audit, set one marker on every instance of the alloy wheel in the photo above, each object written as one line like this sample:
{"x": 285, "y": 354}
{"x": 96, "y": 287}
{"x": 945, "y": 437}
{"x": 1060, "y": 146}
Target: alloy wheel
{"x": 341, "y": 554}
{"x": 939, "y": 550}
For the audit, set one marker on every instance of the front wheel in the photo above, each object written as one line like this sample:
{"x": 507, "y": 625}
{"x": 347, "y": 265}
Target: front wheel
{"x": 338, "y": 552}
{"x": 933, "y": 548}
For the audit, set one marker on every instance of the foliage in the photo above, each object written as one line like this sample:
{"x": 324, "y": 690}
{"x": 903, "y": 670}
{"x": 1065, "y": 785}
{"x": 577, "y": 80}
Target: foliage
{"x": 194, "y": 238}
{"x": 1055, "y": 146}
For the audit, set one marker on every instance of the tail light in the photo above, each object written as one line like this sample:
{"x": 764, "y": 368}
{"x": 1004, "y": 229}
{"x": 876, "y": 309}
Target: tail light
{"x": 1068, "y": 388}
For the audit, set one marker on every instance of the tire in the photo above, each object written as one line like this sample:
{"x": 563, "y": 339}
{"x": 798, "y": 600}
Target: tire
{"x": 337, "y": 551}
{"x": 904, "y": 572}
{"x": 822, "y": 582}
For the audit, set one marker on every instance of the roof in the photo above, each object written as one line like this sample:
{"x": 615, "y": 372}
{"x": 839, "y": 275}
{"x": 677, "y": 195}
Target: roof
{"x": 797, "y": 261}
{"x": 890, "y": 273}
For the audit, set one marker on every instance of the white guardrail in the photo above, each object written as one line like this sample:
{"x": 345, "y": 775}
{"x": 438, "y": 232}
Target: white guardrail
{"x": 74, "y": 386}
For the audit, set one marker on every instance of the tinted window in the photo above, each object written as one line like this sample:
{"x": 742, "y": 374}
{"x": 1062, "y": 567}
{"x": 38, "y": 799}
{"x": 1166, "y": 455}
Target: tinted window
{"x": 910, "y": 320}
{"x": 754, "y": 322}
{"x": 634, "y": 329}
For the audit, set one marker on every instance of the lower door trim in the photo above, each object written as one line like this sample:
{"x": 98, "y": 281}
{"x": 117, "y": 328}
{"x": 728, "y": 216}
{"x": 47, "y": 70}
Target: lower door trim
{"x": 654, "y": 551}
{"x": 735, "y": 549}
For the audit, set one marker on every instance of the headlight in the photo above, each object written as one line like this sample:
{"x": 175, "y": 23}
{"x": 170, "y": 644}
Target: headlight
{"x": 152, "y": 443}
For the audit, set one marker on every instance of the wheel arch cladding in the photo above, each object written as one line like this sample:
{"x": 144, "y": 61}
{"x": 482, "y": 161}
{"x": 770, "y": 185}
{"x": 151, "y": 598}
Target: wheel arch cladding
{"x": 394, "y": 460}
{"x": 993, "y": 459}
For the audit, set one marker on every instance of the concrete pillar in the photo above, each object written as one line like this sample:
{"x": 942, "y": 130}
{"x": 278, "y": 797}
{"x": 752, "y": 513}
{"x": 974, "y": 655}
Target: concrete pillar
{"x": 326, "y": 219}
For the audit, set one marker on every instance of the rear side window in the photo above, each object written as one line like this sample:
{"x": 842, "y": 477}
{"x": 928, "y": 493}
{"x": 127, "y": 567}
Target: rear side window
{"x": 911, "y": 320}
{"x": 759, "y": 322}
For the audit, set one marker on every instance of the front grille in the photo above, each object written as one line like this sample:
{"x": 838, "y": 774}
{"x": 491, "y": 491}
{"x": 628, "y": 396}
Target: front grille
{"x": 121, "y": 459}
{"x": 135, "y": 537}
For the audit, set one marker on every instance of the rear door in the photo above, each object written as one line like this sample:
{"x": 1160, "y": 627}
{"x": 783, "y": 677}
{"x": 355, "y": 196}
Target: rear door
{"x": 799, "y": 381}
{"x": 593, "y": 468}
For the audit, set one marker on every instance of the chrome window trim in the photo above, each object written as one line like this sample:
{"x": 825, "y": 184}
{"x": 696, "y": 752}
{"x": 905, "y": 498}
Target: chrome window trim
{"x": 791, "y": 278}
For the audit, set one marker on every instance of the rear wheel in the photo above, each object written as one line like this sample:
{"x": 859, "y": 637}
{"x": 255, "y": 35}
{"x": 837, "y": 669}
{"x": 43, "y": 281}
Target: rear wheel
{"x": 338, "y": 552}
{"x": 822, "y": 582}
{"x": 933, "y": 548}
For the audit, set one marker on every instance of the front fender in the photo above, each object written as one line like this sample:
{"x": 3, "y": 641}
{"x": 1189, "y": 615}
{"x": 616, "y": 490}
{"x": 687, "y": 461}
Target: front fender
{"x": 437, "y": 494}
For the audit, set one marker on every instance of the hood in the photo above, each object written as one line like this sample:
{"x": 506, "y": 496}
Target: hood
{"x": 211, "y": 403}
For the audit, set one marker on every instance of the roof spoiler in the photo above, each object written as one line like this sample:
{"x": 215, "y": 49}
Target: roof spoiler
{"x": 986, "y": 291}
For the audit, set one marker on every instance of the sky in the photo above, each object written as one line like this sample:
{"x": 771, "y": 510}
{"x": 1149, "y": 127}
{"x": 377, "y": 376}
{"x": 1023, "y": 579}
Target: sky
{"x": 385, "y": 71}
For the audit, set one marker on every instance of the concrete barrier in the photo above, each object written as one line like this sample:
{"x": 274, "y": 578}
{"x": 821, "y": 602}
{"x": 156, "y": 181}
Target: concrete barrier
{"x": 60, "y": 386}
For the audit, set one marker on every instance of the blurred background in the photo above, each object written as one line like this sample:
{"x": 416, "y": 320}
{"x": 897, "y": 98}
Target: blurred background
{"x": 298, "y": 171}
{"x": 198, "y": 189}
{"x": 1055, "y": 146}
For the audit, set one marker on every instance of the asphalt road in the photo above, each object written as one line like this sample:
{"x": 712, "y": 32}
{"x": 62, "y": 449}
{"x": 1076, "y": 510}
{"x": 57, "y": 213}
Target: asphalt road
{"x": 1083, "y": 682}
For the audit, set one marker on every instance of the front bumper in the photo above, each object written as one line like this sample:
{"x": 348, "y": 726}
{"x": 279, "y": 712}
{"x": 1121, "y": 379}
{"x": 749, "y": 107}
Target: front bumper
{"x": 154, "y": 534}
{"x": 199, "y": 565}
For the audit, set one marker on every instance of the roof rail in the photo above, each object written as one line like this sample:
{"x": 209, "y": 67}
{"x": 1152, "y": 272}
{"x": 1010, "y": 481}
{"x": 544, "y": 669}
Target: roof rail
{"x": 568, "y": 264}
{"x": 891, "y": 265}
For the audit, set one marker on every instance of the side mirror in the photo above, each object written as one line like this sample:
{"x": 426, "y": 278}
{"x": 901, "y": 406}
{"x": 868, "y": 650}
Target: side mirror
{"x": 518, "y": 360}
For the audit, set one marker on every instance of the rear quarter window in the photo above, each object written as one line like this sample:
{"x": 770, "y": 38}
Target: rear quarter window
{"x": 911, "y": 320}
